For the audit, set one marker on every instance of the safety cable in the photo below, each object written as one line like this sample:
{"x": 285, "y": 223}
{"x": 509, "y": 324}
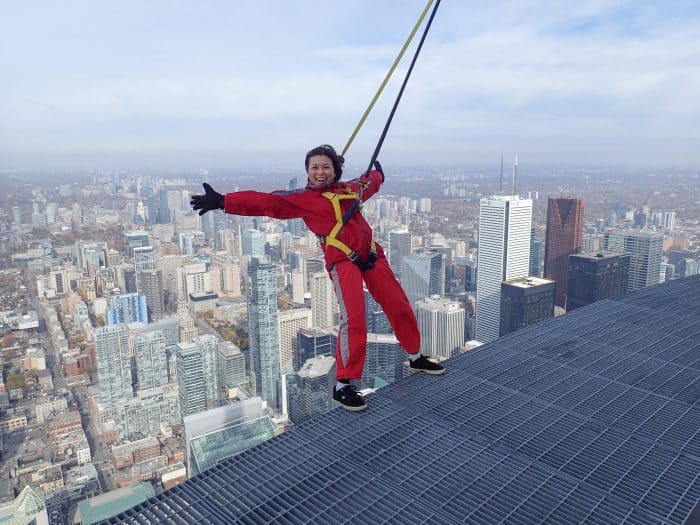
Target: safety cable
{"x": 388, "y": 76}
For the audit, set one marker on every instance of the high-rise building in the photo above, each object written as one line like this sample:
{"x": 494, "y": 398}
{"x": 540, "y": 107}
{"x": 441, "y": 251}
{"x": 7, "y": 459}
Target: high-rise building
{"x": 309, "y": 389}
{"x": 593, "y": 277}
{"x": 383, "y": 361}
{"x": 324, "y": 304}
{"x": 441, "y": 324}
{"x": 688, "y": 267}
{"x": 151, "y": 360}
{"x": 231, "y": 366}
{"x": 400, "y": 245}
{"x": 505, "y": 224}
{"x": 209, "y": 347}
{"x": 264, "y": 339}
{"x": 376, "y": 319}
{"x": 312, "y": 343}
{"x": 535, "y": 253}
{"x": 151, "y": 287}
{"x": 525, "y": 301}
{"x": 129, "y": 308}
{"x": 423, "y": 275}
{"x": 564, "y": 237}
{"x": 190, "y": 379}
{"x": 113, "y": 364}
{"x": 290, "y": 322}
{"x": 646, "y": 249}
{"x": 144, "y": 258}
{"x": 135, "y": 239}
{"x": 253, "y": 243}
{"x": 148, "y": 412}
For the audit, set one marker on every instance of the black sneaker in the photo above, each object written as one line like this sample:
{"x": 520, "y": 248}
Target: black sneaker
{"x": 426, "y": 365}
{"x": 349, "y": 398}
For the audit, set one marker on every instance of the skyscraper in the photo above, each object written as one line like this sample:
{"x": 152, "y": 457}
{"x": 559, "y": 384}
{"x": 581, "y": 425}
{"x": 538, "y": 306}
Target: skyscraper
{"x": 324, "y": 305}
{"x": 525, "y": 301}
{"x": 314, "y": 343}
{"x": 231, "y": 366}
{"x": 593, "y": 277}
{"x": 127, "y": 308}
{"x": 564, "y": 237}
{"x": 151, "y": 287}
{"x": 190, "y": 379}
{"x": 504, "y": 253}
{"x": 441, "y": 323}
{"x": 309, "y": 390}
{"x": 262, "y": 316}
{"x": 383, "y": 362}
{"x": 535, "y": 253}
{"x": 400, "y": 245}
{"x": 208, "y": 346}
{"x": 377, "y": 321}
{"x": 290, "y": 322}
{"x": 113, "y": 364}
{"x": 646, "y": 249}
{"x": 151, "y": 361}
{"x": 423, "y": 275}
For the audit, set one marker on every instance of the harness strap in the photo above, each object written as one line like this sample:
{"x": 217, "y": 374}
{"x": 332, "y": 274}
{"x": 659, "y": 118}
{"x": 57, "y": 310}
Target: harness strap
{"x": 332, "y": 238}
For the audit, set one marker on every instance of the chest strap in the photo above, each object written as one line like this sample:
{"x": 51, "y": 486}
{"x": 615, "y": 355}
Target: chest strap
{"x": 332, "y": 238}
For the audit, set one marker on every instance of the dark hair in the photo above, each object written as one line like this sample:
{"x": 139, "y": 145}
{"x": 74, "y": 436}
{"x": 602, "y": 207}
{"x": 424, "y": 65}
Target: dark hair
{"x": 328, "y": 151}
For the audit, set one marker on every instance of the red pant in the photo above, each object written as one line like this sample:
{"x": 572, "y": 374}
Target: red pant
{"x": 352, "y": 336}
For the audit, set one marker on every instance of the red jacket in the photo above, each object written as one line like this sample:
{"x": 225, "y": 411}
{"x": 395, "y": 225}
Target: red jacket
{"x": 316, "y": 210}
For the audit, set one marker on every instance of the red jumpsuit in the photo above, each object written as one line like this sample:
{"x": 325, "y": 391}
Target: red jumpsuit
{"x": 317, "y": 212}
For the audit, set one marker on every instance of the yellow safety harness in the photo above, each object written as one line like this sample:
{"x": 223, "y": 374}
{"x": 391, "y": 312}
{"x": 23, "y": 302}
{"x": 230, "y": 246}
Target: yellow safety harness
{"x": 341, "y": 220}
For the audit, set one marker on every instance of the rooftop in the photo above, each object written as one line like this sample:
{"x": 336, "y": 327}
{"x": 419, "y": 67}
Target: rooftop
{"x": 588, "y": 417}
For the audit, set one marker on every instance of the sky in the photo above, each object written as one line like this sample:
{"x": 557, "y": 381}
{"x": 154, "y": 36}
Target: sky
{"x": 232, "y": 83}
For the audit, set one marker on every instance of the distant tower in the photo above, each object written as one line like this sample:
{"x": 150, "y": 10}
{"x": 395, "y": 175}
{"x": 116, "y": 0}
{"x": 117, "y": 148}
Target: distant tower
{"x": 596, "y": 277}
{"x": 190, "y": 379}
{"x": 399, "y": 247}
{"x": 151, "y": 361}
{"x": 324, "y": 305}
{"x": 290, "y": 322}
{"x": 646, "y": 249}
{"x": 384, "y": 361}
{"x": 377, "y": 321}
{"x": 505, "y": 222}
{"x": 423, "y": 275}
{"x": 113, "y": 364}
{"x": 535, "y": 253}
{"x": 441, "y": 323}
{"x": 309, "y": 390}
{"x": 151, "y": 286}
{"x": 231, "y": 366}
{"x": 314, "y": 343}
{"x": 564, "y": 237}
{"x": 524, "y": 302}
{"x": 128, "y": 308}
{"x": 262, "y": 315}
{"x": 209, "y": 348}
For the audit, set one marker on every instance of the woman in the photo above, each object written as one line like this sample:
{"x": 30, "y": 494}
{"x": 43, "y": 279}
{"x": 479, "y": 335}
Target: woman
{"x": 331, "y": 210}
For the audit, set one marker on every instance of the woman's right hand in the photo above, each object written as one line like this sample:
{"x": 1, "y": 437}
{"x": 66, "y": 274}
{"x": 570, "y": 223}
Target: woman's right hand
{"x": 211, "y": 200}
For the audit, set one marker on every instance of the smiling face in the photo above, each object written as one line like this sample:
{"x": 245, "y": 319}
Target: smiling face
{"x": 320, "y": 171}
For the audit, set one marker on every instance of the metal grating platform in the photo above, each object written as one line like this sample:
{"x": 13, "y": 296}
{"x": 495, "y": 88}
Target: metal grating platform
{"x": 593, "y": 417}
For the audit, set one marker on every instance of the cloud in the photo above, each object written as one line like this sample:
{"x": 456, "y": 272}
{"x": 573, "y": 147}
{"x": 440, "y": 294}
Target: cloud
{"x": 539, "y": 75}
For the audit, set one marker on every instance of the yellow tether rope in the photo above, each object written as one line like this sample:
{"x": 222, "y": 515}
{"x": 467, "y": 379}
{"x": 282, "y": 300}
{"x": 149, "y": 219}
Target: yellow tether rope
{"x": 388, "y": 76}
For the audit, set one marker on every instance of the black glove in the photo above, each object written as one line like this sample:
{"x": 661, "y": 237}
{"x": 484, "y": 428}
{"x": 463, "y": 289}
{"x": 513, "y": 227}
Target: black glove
{"x": 378, "y": 167}
{"x": 211, "y": 200}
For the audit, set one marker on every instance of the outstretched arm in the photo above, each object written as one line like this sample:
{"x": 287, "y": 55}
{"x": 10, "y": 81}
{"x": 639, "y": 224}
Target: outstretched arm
{"x": 211, "y": 200}
{"x": 278, "y": 205}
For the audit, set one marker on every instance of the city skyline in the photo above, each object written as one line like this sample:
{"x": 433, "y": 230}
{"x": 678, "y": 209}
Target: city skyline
{"x": 230, "y": 85}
